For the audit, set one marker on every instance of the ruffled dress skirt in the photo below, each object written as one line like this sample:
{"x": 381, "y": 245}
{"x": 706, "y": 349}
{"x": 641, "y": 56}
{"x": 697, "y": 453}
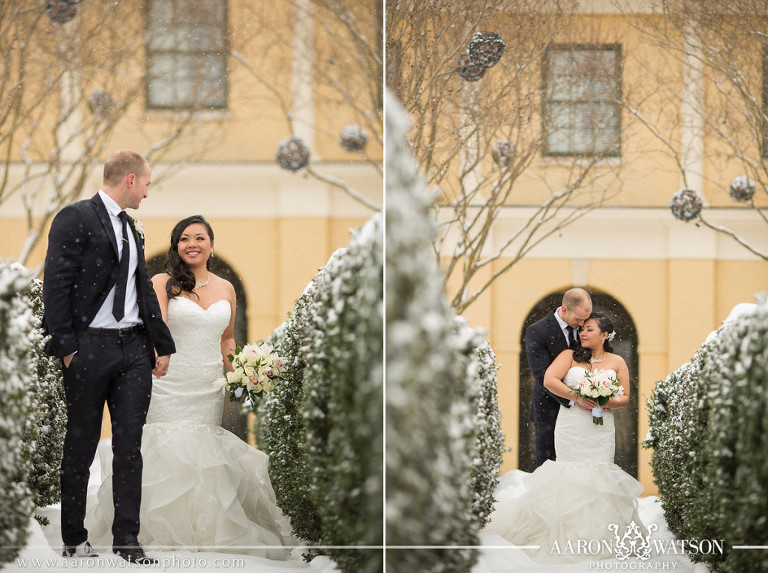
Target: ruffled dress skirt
{"x": 569, "y": 506}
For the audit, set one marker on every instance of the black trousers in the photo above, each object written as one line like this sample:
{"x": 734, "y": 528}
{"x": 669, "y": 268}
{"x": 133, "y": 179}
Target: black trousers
{"x": 545, "y": 442}
{"x": 115, "y": 369}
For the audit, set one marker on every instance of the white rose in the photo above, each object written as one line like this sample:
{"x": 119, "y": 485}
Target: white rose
{"x": 232, "y": 377}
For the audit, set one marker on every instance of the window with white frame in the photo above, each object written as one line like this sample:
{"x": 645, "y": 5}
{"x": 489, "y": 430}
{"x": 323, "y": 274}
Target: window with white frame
{"x": 582, "y": 100}
{"x": 186, "y": 54}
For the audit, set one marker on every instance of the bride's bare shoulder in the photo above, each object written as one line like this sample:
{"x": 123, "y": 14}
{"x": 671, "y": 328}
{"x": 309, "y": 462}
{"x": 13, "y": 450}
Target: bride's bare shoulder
{"x": 617, "y": 360}
{"x": 160, "y": 280}
{"x": 223, "y": 286}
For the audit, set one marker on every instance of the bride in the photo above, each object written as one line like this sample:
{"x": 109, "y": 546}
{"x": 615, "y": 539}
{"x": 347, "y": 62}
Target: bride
{"x": 203, "y": 489}
{"x": 577, "y": 497}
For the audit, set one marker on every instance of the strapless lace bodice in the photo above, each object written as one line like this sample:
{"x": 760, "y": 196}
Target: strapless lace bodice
{"x": 575, "y": 375}
{"x": 577, "y": 439}
{"x": 188, "y": 393}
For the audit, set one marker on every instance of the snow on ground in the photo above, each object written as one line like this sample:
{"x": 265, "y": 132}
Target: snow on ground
{"x": 43, "y": 553}
{"x": 43, "y": 550}
{"x": 501, "y": 556}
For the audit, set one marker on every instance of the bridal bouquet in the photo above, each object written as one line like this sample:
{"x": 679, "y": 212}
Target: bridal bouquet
{"x": 599, "y": 386}
{"x": 255, "y": 369}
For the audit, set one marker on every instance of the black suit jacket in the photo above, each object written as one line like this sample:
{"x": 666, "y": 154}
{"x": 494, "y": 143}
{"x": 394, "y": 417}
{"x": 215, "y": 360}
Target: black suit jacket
{"x": 81, "y": 267}
{"x": 544, "y": 340}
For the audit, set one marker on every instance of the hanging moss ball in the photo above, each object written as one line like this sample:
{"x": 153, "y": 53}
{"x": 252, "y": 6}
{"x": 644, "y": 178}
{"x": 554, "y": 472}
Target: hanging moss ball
{"x": 61, "y": 11}
{"x": 742, "y": 189}
{"x": 686, "y": 204}
{"x": 485, "y": 49}
{"x": 502, "y": 152}
{"x": 354, "y": 138}
{"x": 469, "y": 71}
{"x": 292, "y": 154}
{"x": 100, "y": 103}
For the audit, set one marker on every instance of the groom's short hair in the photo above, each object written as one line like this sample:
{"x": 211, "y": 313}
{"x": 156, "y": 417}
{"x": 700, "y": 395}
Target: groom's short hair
{"x": 576, "y": 298}
{"x": 122, "y": 163}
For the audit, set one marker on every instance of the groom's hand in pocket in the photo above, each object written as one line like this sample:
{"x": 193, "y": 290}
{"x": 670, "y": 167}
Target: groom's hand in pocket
{"x": 161, "y": 366}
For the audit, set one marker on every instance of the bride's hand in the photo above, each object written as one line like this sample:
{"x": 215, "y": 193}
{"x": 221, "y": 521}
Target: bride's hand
{"x": 161, "y": 366}
{"x": 586, "y": 404}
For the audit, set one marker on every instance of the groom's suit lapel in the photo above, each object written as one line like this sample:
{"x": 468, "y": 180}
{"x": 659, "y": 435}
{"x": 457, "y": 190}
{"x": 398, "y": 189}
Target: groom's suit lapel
{"x": 106, "y": 222}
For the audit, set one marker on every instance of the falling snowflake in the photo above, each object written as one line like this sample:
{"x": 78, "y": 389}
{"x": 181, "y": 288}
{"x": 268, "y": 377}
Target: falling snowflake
{"x": 686, "y": 204}
{"x": 292, "y": 154}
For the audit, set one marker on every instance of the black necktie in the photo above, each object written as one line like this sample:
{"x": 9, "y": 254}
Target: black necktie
{"x": 118, "y": 307}
{"x": 571, "y": 339}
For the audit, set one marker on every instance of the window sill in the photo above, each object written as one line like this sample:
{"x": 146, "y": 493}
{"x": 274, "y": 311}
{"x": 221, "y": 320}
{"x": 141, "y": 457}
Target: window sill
{"x": 181, "y": 114}
{"x": 570, "y": 160}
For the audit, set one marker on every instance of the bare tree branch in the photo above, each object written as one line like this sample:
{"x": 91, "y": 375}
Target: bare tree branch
{"x": 457, "y": 124}
{"x": 725, "y": 42}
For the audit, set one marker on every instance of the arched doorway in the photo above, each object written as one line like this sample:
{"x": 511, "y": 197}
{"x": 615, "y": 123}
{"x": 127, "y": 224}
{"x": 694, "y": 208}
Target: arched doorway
{"x": 625, "y": 345}
{"x": 232, "y": 420}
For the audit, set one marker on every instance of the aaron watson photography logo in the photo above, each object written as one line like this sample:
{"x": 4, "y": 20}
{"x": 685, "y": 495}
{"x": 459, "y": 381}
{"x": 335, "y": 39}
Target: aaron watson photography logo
{"x": 634, "y": 546}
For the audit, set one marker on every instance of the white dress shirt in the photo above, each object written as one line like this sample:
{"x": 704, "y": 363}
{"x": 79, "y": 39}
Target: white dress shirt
{"x": 104, "y": 318}
{"x": 563, "y": 326}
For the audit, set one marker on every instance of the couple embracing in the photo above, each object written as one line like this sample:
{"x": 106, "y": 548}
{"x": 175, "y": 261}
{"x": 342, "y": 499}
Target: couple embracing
{"x": 577, "y": 493}
{"x": 151, "y": 349}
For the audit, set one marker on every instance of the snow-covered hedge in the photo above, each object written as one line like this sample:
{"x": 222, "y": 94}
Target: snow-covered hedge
{"x": 708, "y": 431}
{"x": 489, "y": 440}
{"x": 280, "y": 427}
{"x": 343, "y": 400}
{"x": 430, "y": 431}
{"x": 46, "y": 425}
{"x": 321, "y": 425}
{"x": 16, "y": 347}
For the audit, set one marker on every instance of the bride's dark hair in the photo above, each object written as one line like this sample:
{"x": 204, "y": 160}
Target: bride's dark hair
{"x": 182, "y": 277}
{"x": 604, "y": 323}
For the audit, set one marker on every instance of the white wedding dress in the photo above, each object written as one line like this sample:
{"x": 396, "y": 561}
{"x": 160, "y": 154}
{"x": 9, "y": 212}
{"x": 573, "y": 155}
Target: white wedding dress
{"x": 203, "y": 489}
{"x": 574, "y": 498}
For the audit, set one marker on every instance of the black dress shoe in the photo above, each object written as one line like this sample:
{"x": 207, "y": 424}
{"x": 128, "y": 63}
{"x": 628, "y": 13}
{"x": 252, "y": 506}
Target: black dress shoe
{"x": 82, "y": 550}
{"x": 135, "y": 554}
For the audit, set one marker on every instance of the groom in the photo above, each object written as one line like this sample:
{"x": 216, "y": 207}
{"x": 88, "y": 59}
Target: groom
{"x": 106, "y": 326}
{"x": 544, "y": 340}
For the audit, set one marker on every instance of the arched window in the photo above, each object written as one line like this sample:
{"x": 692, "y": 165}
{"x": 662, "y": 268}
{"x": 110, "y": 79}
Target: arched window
{"x": 625, "y": 345}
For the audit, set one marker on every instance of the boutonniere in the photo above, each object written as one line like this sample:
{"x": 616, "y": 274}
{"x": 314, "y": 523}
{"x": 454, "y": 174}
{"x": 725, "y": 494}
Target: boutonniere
{"x": 138, "y": 227}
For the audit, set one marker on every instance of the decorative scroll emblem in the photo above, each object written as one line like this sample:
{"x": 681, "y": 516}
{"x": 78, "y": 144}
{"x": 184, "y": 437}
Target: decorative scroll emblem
{"x": 633, "y": 543}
